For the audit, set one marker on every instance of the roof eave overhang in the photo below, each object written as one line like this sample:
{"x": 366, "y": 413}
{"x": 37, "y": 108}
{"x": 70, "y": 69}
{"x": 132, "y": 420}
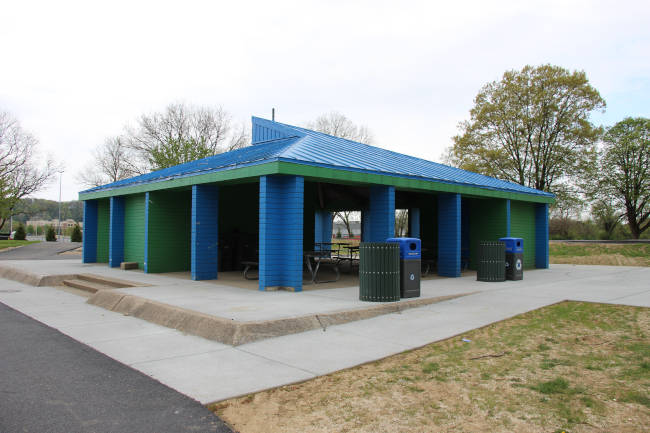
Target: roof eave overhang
{"x": 314, "y": 171}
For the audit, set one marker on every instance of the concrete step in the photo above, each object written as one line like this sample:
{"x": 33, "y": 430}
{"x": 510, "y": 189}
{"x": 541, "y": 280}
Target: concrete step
{"x": 105, "y": 281}
{"x": 87, "y": 286}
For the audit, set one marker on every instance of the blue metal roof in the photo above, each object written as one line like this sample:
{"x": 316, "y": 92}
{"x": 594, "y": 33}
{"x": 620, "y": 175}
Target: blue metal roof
{"x": 274, "y": 141}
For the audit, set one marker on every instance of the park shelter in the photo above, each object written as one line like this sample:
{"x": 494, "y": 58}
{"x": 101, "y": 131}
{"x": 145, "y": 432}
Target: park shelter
{"x": 273, "y": 200}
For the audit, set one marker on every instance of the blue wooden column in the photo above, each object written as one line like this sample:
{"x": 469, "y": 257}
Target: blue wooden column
{"x": 116, "y": 232}
{"x": 205, "y": 232}
{"x": 414, "y": 222}
{"x": 281, "y": 232}
{"x": 541, "y": 235}
{"x": 89, "y": 250}
{"x": 449, "y": 235}
{"x": 322, "y": 227}
{"x": 380, "y": 218}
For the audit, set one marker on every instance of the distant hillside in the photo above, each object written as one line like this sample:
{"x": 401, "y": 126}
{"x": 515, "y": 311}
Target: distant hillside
{"x": 37, "y": 208}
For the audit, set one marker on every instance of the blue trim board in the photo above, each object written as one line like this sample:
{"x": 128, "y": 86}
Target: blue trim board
{"x": 541, "y": 236}
{"x": 89, "y": 250}
{"x": 281, "y": 232}
{"x": 146, "y": 232}
{"x": 205, "y": 232}
{"x": 449, "y": 235}
{"x": 116, "y": 232}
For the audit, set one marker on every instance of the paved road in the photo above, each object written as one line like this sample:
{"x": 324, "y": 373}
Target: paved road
{"x": 51, "y": 383}
{"x": 41, "y": 251}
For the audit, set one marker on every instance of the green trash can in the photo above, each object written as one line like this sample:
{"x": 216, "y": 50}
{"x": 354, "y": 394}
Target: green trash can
{"x": 491, "y": 261}
{"x": 379, "y": 272}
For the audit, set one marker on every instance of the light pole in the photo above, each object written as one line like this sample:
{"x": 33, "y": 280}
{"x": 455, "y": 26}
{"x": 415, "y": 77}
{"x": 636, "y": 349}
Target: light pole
{"x": 60, "y": 181}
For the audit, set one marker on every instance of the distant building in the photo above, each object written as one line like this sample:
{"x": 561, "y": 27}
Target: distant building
{"x": 65, "y": 224}
{"x": 355, "y": 226}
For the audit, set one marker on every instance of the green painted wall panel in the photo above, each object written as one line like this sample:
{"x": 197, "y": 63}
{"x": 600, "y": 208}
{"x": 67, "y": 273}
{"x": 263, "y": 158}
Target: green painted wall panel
{"x": 487, "y": 222}
{"x": 134, "y": 229}
{"x": 103, "y": 229}
{"x": 169, "y": 231}
{"x": 522, "y": 225}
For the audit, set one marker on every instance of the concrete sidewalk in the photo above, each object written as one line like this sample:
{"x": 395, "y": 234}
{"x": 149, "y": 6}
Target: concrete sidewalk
{"x": 210, "y": 371}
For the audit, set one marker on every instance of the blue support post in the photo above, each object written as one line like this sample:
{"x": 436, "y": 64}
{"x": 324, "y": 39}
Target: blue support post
{"x": 464, "y": 232}
{"x": 414, "y": 222}
{"x": 381, "y": 214}
{"x": 116, "y": 232}
{"x": 322, "y": 227}
{"x": 205, "y": 232}
{"x": 89, "y": 254}
{"x": 281, "y": 232}
{"x": 146, "y": 232}
{"x": 541, "y": 236}
{"x": 508, "y": 217}
{"x": 449, "y": 235}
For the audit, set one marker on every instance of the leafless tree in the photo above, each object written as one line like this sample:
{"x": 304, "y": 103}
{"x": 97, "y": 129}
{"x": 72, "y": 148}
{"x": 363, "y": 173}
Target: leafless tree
{"x": 346, "y": 217}
{"x": 201, "y": 131}
{"x": 112, "y": 161}
{"x": 21, "y": 174}
{"x": 401, "y": 222}
{"x": 336, "y": 124}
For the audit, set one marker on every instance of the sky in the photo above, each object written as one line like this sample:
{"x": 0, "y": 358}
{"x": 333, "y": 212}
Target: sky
{"x": 75, "y": 73}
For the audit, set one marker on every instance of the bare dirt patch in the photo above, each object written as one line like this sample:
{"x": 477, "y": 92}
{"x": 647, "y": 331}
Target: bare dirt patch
{"x": 576, "y": 366}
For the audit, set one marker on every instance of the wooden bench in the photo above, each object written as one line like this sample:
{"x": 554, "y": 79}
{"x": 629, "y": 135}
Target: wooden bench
{"x": 125, "y": 266}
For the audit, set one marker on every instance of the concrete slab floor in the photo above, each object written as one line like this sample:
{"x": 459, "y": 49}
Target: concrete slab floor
{"x": 210, "y": 371}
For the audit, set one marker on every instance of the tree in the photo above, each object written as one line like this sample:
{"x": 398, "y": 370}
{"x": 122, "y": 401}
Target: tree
{"x": 625, "y": 171}
{"x": 183, "y": 133}
{"x": 20, "y": 234}
{"x": 346, "y": 217}
{"x": 531, "y": 128}
{"x": 76, "y": 234}
{"x": 606, "y": 215}
{"x": 336, "y": 124}
{"x": 112, "y": 161}
{"x": 50, "y": 234}
{"x": 21, "y": 170}
{"x": 401, "y": 222}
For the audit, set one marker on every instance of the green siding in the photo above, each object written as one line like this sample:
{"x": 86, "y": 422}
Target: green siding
{"x": 487, "y": 222}
{"x": 522, "y": 225}
{"x": 103, "y": 229}
{"x": 134, "y": 229}
{"x": 169, "y": 231}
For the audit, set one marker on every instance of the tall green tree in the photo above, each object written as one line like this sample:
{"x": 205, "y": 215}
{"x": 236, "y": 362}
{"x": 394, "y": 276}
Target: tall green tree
{"x": 624, "y": 171}
{"x": 532, "y": 127}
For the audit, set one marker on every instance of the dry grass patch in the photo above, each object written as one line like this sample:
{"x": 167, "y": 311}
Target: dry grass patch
{"x": 599, "y": 254}
{"x": 576, "y": 366}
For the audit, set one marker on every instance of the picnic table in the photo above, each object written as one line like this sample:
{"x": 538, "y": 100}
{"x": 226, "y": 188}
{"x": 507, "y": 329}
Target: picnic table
{"x": 320, "y": 258}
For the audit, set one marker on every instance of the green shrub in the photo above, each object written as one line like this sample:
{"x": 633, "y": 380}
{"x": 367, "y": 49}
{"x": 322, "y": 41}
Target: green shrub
{"x": 50, "y": 235}
{"x": 76, "y": 234}
{"x": 20, "y": 234}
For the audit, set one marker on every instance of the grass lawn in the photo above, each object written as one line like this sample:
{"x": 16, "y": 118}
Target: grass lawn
{"x": 12, "y": 243}
{"x": 600, "y": 254}
{"x": 574, "y": 367}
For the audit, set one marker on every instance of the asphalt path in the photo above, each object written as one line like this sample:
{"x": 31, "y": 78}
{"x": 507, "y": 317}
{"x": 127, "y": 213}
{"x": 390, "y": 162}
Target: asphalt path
{"x": 52, "y": 383}
{"x": 41, "y": 251}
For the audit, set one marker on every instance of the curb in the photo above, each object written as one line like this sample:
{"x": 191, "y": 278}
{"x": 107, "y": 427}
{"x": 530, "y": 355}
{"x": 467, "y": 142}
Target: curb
{"x": 235, "y": 333}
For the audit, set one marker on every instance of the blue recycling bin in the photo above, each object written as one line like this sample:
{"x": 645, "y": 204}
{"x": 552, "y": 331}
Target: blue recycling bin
{"x": 410, "y": 257}
{"x": 514, "y": 258}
